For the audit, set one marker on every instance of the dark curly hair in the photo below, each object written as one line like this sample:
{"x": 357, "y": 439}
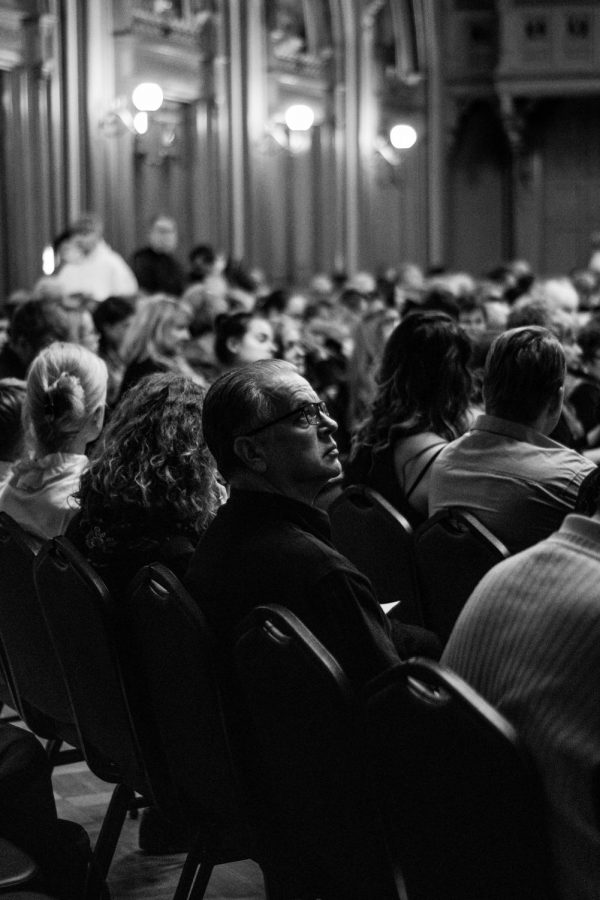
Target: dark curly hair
{"x": 423, "y": 381}
{"x": 153, "y": 463}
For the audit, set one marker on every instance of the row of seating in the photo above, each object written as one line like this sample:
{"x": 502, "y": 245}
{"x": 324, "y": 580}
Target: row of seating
{"x": 416, "y": 790}
{"x": 430, "y": 572}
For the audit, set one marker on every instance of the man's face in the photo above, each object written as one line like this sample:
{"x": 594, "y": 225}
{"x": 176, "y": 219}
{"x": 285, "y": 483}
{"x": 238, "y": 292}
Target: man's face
{"x": 300, "y": 458}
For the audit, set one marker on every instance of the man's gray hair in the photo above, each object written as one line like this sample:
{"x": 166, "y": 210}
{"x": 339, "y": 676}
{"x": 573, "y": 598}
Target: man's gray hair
{"x": 237, "y": 403}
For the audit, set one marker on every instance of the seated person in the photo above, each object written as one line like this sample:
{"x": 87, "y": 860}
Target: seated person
{"x": 528, "y": 640}
{"x": 151, "y": 489}
{"x": 585, "y": 393}
{"x": 156, "y": 339}
{"x": 242, "y": 338}
{"x": 273, "y": 441}
{"x": 421, "y": 404}
{"x": 112, "y": 318}
{"x": 506, "y": 470}
{"x": 34, "y": 325}
{"x": 64, "y": 412}
{"x": 12, "y": 396}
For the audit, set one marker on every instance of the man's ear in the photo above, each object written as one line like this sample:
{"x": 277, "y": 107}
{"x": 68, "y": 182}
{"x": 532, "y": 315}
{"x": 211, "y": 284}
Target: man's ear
{"x": 251, "y": 453}
{"x": 556, "y": 401}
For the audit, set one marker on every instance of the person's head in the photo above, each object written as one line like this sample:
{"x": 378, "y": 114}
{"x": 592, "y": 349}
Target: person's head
{"x": 87, "y": 232}
{"x": 202, "y": 259}
{"x": 524, "y": 377}
{"x": 243, "y": 338}
{"x": 473, "y": 317}
{"x": 153, "y": 458}
{"x": 423, "y": 382}
{"x": 266, "y": 430}
{"x": 12, "y": 398}
{"x": 158, "y": 330}
{"x": 163, "y": 234}
{"x": 35, "y": 324}
{"x": 588, "y": 340}
{"x": 83, "y": 329}
{"x": 290, "y": 344}
{"x": 66, "y": 393}
{"x": 112, "y": 318}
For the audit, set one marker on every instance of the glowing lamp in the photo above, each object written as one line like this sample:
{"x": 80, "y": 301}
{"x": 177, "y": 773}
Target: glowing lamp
{"x": 299, "y": 117}
{"x": 402, "y": 137}
{"x": 147, "y": 97}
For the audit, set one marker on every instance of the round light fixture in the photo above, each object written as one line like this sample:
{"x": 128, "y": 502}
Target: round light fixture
{"x": 147, "y": 97}
{"x": 299, "y": 117}
{"x": 403, "y": 136}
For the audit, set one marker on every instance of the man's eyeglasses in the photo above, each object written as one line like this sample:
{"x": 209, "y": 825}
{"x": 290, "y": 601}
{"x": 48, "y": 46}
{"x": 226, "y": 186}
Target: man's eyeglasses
{"x": 307, "y": 415}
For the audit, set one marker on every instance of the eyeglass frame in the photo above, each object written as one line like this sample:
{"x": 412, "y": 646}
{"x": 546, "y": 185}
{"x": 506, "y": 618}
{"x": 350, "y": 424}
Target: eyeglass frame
{"x": 319, "y": 408}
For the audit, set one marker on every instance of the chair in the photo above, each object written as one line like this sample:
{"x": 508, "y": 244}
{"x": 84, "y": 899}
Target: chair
{"x": 82, "y": 622}
{"x": 33, "y": 676}
{"x": 173, "y": 668}
{"x": 379, "y": 541}
{"x": 16, "y": 867}
{"x": 460, "y": 799}
{"x": 309, "y": 761}
{"x": 453, "y": 552}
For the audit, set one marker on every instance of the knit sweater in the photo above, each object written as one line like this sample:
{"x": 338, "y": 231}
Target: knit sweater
{"x": 529, "y": 641}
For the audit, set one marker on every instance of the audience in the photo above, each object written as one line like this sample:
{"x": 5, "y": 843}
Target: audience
{"x": 243, "y": 338}
{"x": 506, "y": 470}
{"x": 529, "y": 641}
{"x": 63, "y": 412}
{"x": 422, "y": 403}
{"x": 156, "y": 339}
{"x": 155, "y": 266}
{"x": 12, "y": 397}
{"x": 273, "y": 441}
{"x": 150, "y": 489}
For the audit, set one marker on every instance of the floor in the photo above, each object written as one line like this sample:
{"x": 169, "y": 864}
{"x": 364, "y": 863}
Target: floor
{"x": 81, "y": 797}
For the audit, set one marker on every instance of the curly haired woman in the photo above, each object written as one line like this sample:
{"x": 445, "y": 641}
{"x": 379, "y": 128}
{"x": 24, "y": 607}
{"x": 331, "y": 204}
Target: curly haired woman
{"x": 151, "y": 489}
{"x": 422, "y": 403}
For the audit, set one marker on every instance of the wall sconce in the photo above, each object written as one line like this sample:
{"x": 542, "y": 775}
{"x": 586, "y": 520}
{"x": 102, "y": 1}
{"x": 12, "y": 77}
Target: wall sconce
{"x": 293, "y": 133}
{"x": 401, "y": 137}
{"x": 145, "y": 98}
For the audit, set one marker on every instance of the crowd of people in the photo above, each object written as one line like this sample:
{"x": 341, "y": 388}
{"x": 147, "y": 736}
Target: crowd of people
{"x": 154, "y": 413}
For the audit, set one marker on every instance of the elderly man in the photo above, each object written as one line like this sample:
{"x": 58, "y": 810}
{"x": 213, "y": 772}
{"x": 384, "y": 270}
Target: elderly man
{"x": 506, "y": 470}
{"x": 529, "y": 641}
{"x": 273, "y": 441}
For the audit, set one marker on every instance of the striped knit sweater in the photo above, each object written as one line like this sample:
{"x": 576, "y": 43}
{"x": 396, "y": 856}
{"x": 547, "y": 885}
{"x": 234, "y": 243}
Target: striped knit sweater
{"x": 528, "y": 641}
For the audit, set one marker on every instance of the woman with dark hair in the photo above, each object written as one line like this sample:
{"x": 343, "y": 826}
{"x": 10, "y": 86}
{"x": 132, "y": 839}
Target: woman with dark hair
{"x": 422, "y": 403}
{"x": 112, "y": 318}
{"x": 151, "y": 487}
{"x": 243, "y": 338}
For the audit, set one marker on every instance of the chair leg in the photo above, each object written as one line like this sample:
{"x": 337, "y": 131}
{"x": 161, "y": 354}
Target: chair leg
{"x": 111, "y": 828}
{"x": 197, "y": 869}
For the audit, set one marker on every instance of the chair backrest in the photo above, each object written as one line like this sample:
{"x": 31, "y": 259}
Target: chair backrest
{"x": 379, "y": 541}
{"x": 310, "y": 758}
{"x": 459, "y": 796}
{"x": 176, "y": 664}
{"x": 30, "y": 658}
{"x": 453, "y": 552}
{"x": 83, "y": 625}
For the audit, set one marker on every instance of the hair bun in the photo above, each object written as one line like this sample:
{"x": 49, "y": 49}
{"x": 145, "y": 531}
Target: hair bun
{"x": 65, "y": 394}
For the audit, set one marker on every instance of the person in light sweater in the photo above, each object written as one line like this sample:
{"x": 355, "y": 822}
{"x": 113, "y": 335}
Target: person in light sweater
{"x": 528, "y": 640}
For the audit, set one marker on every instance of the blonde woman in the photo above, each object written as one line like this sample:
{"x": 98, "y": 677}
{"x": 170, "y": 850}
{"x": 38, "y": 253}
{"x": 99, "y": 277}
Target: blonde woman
{"x": 156, "y": 339}
{"x": 63, "y": 413}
